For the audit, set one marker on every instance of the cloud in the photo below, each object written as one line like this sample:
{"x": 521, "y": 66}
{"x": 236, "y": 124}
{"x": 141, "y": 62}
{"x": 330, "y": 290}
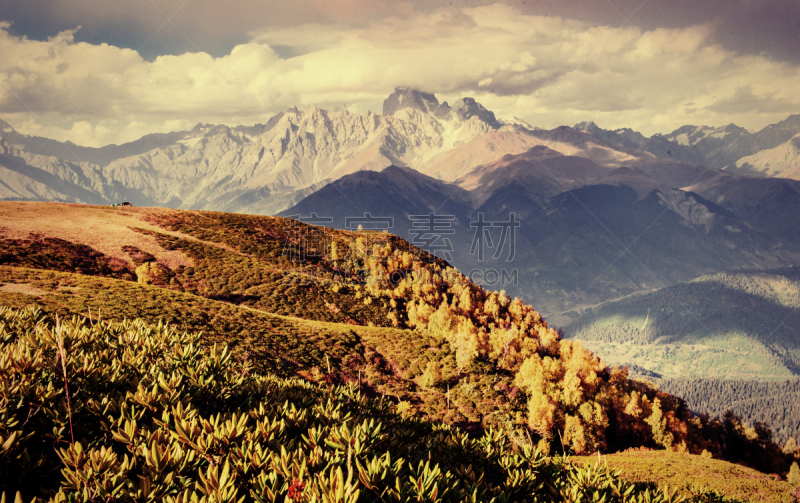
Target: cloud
{"x": 548, "y": 70}
{"x": 744, "y": 100}
{"x": 744, "y": 26}
{"x": 212, "y": 26}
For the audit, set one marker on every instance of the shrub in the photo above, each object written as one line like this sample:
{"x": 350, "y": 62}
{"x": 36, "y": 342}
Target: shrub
{"x": 159, "y": 417}
{"x": 59, "y": 255}
{"x": 432, "y": 375}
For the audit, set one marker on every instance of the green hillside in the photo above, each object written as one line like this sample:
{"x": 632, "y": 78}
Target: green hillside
{"x": 728, "y": 341}
{"x": 733, "y": 325}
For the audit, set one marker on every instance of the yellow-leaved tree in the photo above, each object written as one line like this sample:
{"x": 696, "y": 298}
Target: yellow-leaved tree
{"x": 572, "y": 395}
{"x": 658, "y": 423}
{"x": 465, "y": 344}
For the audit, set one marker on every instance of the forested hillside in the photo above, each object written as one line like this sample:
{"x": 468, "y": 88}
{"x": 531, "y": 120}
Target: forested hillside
{"x": 735, "y": 333}
{"x": 737, "y": 324}
{"x": 776, "y": 403}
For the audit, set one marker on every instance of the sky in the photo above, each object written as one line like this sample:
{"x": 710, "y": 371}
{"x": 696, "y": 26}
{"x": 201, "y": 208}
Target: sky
{"x": 96, "y": 72}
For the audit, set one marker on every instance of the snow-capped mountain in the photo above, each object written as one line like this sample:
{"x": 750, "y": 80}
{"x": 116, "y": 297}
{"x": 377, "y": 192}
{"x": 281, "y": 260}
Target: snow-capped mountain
{"x": 692, "y": 135}
{"x": 718, "y": 147}
{"x": 262, "y": 169}
{"x": 267, "y": 168}
{"x": 782, "y": 161}
{"x": 626, "y": 137}
{"x": 705, "y": 145}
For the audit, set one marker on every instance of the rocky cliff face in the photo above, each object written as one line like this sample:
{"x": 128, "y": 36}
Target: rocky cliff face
{"x": 462, "y": 110}
{"x": 408, "y": 97}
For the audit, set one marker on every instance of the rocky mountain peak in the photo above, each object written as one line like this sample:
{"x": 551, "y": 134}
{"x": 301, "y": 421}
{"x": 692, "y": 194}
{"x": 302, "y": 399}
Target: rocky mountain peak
{"x": 5, "y": 127}
{"x": 775, "y": 134}
{"x": 467, "y": 107}
{"x": 408, "y": 97}
{"x": 793, "y": 121}
{"x": 463, "y": 109}
{"x": 587, "y": 126}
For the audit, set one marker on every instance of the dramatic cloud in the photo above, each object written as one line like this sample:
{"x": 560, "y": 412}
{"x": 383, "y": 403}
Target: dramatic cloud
{"x": 548, "y": 70}
{"x": 194, "y": 25}
{"x": 746, "y": 26}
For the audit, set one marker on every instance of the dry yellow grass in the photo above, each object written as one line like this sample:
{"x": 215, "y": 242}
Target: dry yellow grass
{"x": 25, "y": 288}
{"x": 106, "y": 229}
{"x": 682, "y": 470}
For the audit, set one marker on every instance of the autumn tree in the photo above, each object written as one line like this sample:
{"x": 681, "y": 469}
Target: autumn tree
{"x": 659, "y": 426}
{"x": 790, "y": 447}
{"x": 465, "y": 344}
{"x": 569, "y": 389}
{"x": 794, "y": 474}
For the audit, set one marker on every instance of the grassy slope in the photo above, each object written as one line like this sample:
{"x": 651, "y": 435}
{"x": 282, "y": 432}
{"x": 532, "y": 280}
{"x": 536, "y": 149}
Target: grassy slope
{"x": 236, "y": 258}
{"x": 685, "y": 470}
{"x": 251, "y": 262}
{"x": 386, "y": 359}
{"x": 105, "y": 229}
{"x": 304, "y": 342}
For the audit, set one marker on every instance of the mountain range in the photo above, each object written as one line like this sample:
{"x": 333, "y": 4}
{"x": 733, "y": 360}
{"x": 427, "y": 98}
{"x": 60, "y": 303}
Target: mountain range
{"x": 584, "y": 233}
{"x": 260, "y": 169}
{"x": 724, "y": 147}
{"x": 602, "y": 214}
{"x": 266, "y": 168}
